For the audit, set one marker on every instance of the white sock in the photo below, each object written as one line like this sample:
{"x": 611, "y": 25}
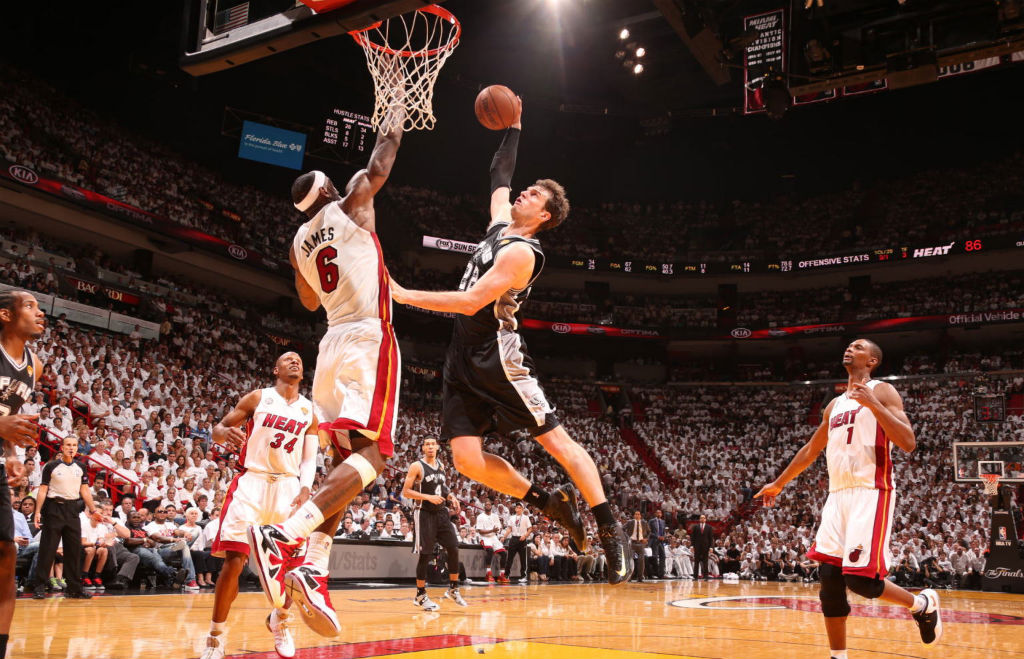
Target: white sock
{"x": 216, "y": 628}
{"x": 304, "y": 521}
{"x": 279, "y": 615}
{"x": 318, "y": 549}
{"x": 920, "y": 603}
{"x": 837, "y": 654}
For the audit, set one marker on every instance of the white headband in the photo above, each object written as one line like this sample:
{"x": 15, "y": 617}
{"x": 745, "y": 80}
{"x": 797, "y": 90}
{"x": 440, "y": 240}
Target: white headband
{"x": 314, "y": 192}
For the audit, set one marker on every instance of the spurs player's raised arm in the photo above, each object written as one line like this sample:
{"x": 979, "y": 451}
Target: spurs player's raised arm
{"x": 803, "y": 459}
{"x": 364, "y": 184}
{"x": 502, "y": 166}
{"x": 887, "y": 406}
{"x": 513, "y": 268}
{"x": 227, "y": 432}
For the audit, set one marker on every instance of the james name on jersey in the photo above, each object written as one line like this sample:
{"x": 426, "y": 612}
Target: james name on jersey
{"x": 314, "y": 240}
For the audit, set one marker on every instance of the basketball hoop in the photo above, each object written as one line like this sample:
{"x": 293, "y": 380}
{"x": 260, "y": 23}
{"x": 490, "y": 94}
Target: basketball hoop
{"x": 404, "y": 55}
{"x": 991, "y": 483}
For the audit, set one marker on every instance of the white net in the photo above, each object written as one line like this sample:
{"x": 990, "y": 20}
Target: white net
{"x": 991, "y": 482}
{"x": 404, "y": 55}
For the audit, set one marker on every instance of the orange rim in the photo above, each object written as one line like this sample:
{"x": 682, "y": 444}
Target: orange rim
{"x": 360, "y": 35}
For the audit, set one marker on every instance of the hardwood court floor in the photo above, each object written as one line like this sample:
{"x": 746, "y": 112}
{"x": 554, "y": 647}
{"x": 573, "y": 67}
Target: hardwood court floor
{"x": 648, "y": 621}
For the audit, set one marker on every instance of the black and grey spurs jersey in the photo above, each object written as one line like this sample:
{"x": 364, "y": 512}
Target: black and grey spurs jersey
{"x": 432, "y": 482}
{"x": 16, "y": 382}
{"x": 499, "y": 315}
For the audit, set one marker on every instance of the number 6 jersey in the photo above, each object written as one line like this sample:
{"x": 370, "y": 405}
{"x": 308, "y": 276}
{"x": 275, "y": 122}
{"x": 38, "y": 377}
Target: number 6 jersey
{"x": 276, "y": 433}
{"x": 343, "y": 264}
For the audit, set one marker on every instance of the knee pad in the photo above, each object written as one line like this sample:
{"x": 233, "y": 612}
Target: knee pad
{"x": 865, "y": 586}
{"x": 833, "y": 592}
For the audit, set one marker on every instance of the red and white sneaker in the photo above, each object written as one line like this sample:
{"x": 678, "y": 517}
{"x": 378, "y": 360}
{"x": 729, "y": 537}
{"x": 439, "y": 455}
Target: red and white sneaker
{"x": 273, "y": 548}
{"x": 97, "y": 584}
{"x": 307, "y": 586}
{"x": 490, "y": 578}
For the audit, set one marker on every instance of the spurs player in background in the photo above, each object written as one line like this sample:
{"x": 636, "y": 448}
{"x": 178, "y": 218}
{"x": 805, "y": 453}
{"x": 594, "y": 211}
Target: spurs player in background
{"x": 857, "y": 430}
{"x": 338, "y": 264}
{"x": 277, "y": 465}
{"x": 21, "y": 321}
{"x": 426, "y": 484}
{"x": 490, "y": 382}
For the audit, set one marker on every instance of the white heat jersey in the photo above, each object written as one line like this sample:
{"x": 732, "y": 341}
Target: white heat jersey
{"x": 276, "y": 433}
{"x": 343, "y": 263}
{"x": 858, "y": 450}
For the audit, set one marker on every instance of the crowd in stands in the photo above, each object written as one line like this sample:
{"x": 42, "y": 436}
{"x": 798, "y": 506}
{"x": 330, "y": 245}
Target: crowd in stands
{"x": 75, "y": 144}
{"x": 142, "y": 410}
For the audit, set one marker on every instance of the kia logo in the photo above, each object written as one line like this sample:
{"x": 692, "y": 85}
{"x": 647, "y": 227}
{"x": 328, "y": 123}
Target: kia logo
{"x": 741, "y": 333}
{"x": 561, "y": 328}
{"x": 238, "y": 252}
{"x": 23, "y": 174}
{"x": 444, "y": 244}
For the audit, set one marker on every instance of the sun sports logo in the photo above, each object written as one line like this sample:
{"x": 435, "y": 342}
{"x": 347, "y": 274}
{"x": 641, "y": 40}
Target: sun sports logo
{"x": 23, "y": 174}
{"x": 449, "y": 245}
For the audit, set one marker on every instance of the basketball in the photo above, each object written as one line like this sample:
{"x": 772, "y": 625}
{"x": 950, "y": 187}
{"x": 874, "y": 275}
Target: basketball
{"x": 496, "y": 107}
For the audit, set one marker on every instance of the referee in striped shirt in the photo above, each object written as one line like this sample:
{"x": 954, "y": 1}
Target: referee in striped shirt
{"x": 65, "y": 485}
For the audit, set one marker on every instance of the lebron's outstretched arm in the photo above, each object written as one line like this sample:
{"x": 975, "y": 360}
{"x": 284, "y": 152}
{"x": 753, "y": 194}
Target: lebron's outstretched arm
{"x": 803, "y": 459}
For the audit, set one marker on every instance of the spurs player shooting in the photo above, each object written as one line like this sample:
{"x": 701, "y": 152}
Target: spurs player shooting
{"x": 21, "y": 321}
{"x": 425, "y": 483}
{"x": 338, "y": 264}
{"x": 857, "y": 431}
{"x": 490, "y": 382}
{"x": 277, "y": 464}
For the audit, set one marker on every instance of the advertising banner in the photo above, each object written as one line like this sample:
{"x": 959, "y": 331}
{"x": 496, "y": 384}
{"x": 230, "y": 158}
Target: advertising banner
{"x": 585, "y": 329}
{"x": 94, "y": 288}
{"x": 938, "y": 321}
{"x": 138, "y": 217}
{"x": 353, "y": 559}
{"x": 272, "y": 145}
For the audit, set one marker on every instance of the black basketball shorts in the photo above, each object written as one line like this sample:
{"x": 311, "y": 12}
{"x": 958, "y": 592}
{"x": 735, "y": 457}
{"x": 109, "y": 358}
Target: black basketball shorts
{"x": 431, "y": 527}
{"x": 6, "y": 512}
{"x": 493, "y": 387}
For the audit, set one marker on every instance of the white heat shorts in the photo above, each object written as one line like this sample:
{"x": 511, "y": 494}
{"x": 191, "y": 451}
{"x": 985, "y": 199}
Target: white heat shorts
{"x": 355, "y": 386}
{"x": 854, "y": 534}
{"x": 253, "y": 498}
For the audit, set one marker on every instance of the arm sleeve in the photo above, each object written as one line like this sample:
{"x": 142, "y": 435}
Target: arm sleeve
{"x": 307, "y": 468}
{"x": 504, "y": 162}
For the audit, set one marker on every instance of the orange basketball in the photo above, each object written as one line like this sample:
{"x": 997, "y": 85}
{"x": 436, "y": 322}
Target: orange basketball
{"x": 496, "y": 107}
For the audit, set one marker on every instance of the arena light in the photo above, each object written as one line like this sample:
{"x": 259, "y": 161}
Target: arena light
{"x": 638, "y": 69}
{"x": 641, "y": 51}
{"x": 623, "y": 34}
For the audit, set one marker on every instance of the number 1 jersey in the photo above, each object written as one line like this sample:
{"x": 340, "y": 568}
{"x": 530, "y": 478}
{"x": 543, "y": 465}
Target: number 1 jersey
{"x": 276, "y": 433}
{"x": 343, "y": 263}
